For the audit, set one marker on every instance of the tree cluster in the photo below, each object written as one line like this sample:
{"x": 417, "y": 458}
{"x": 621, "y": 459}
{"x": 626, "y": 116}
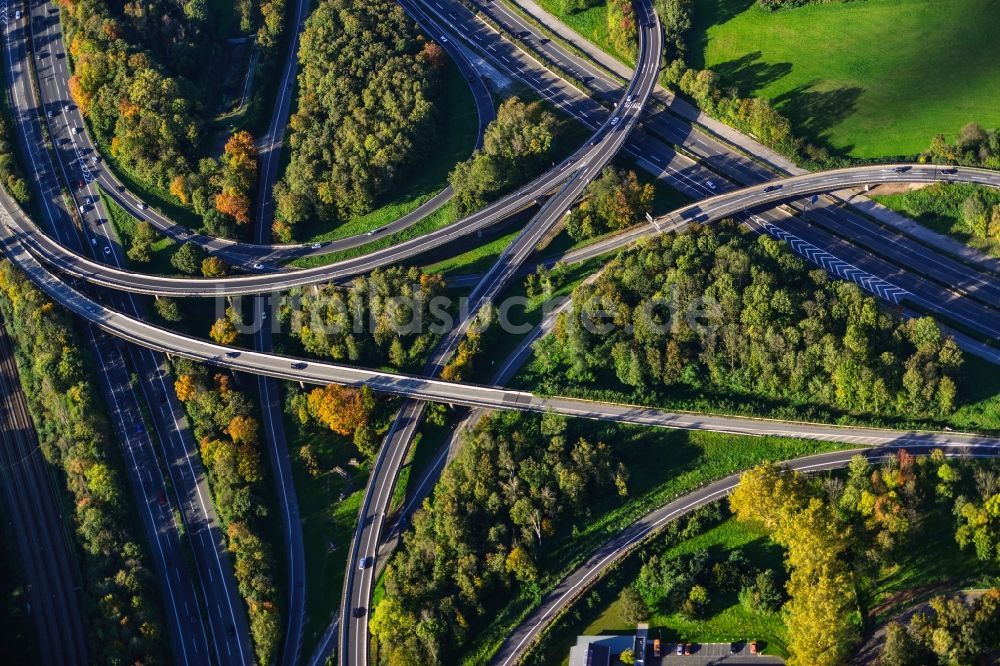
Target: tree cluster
{"x": 822, "y": 600}
{"x": 119, "y": 590}
{"x": 479, "y": 540}
{"x": 382, "y": 317}
{"x": 613, "y": 201}
{"x": 516, "y": 145}
{"x": 11, "y": 173}
{"x": 675, "y": 17}
{"x": 132, "y": 103}
{"x": 974, "y": 146}
{"x": 366, "y": 111}
{"x": 951, "y": 631}
{"x": 980, "y": 218}
{"x": 684, "y": 583}
{"x": 622, "y": 28}
{"x": 229, "y": 440}
{"x": 721, "y": 309}
{"x": 345, "y": 410}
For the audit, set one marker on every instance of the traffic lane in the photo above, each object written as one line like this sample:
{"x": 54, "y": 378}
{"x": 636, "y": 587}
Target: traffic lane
{"x": 576, "y": 583}
{"x": 707, "y": 210}
{"x": 327, "y": 373}
{"x": 24, "y": 102}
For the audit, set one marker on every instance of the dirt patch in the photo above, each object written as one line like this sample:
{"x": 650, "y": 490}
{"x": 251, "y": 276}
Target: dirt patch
{"x": 894, "y": 188}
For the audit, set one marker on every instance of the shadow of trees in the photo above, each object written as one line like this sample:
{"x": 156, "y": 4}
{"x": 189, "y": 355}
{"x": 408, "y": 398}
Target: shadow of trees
{"x": 813, "y": 112}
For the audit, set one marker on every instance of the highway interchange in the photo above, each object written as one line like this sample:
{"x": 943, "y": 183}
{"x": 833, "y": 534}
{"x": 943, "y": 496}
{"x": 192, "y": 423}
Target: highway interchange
{"x": 958, "y": 291}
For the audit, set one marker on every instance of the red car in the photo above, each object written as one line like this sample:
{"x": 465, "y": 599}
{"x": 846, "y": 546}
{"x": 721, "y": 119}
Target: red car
{"x": 753, "y": 647}
{"x": 161, "y": 498}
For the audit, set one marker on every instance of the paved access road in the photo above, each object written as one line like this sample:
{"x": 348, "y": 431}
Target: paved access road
{"x": 571, "y": 587}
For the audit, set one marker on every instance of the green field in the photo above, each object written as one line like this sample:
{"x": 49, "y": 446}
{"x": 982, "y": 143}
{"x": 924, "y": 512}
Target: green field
{"x": 872, "y": 78}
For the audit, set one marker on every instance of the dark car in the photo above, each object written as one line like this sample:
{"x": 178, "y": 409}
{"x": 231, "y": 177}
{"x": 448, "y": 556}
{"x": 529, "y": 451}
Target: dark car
{"x": 949, "y": 171}
{"x": 300, "y": 365}
{"x": 900, "y": 169}
{"x": 139, "y": 429}
{"x": 359, "y": 612}
{"x": 232, "y": 354}
{"x": 161, "y": 499}
{"x": 772, "y": 188}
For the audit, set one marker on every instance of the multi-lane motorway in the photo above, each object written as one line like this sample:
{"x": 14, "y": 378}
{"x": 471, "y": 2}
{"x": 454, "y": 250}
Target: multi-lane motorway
{"x": 952, "y": 289}
{"x": 207, "y": 599}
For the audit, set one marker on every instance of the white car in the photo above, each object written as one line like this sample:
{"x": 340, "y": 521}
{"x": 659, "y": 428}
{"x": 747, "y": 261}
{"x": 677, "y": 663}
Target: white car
{"x": 363, "y": 564}
{"x": 258, "y": 266}
{"x": 77, "y": 130}
{"x": 710, "y": 184}
{"x": 107, "y": 249}
{"x": 68, "y": 108}
{"x": 142, "y": 206}
{"x": 17, "y": 15}
{"x": 444, "y": 40}
{"x": 614, "y": 121}
{"x": 316, "y": 246}
{"x": 83, "y": 209}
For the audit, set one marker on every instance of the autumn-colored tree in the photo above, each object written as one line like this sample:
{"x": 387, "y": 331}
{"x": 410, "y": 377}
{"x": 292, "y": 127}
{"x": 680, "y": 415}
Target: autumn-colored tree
{"x": 178, "y": 188}
{"x": 223, "y": 332}
{"x": 341, "y": 408}
{"x": 434, "y": 54}
{"x": 213, "y": 267}
{"x": 185, "y": 387}
{"x": 243, "y": 429}
{"x": 234, "y": 204}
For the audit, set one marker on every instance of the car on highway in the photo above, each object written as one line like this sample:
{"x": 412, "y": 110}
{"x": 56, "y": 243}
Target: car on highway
{"x": 68, "y": 108}
{"x": 628, "y": 100}
{"x": 107, "y": 249}
{"x": 81, "y": 185}
{"x": 77, "y": 130}
{"x": 263, "y": 315}
{"x": 772, "y": 188}
{"x": 142, "y": 205}
{"x": 900, "y": 169}
{"x": 710, "y": 184}
{"x": 95, "y": 159}
{"x": 52, "y": 114}
{"x": 300, "y": 365}
{"x": 316, "y": 246}
{"x": 258, "y": 266}
{"x": 687, "y": 649}
{"x": 679, "y": 651}
{"x": 949, "y": 171}
{"x": 232, "y": 354}
{"x": 754, "y": 648}
{"x": 93, "y": 241}
{"x": 161, "y": 499}
{"x": 363, "y": 564}
{"x": 656, "y": 648}
{"x": 614, "y": 121}
{"x": 444, "y": 40}
{"x": 83, "y": 209}
{"x": 139, "y": 429}
{"x": 359, "y": 612}
{"x": 17, "y": 15}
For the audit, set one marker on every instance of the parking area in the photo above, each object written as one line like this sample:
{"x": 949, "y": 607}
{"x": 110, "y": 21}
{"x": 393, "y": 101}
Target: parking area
{"x": 704, "y": 654}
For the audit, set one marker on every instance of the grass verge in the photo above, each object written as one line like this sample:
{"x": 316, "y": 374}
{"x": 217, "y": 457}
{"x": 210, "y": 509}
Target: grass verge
{"x": 125, "y": 226}
{"x": 939, "y": 207}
